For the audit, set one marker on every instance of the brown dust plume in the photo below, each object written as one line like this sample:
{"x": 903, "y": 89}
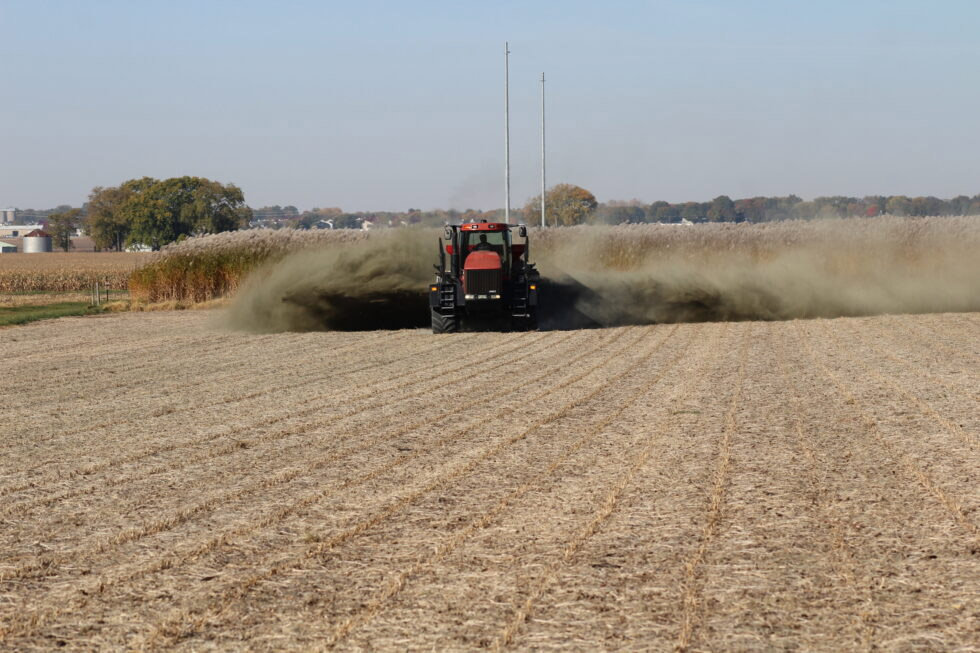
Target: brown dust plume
{"x": 643, "y": 274}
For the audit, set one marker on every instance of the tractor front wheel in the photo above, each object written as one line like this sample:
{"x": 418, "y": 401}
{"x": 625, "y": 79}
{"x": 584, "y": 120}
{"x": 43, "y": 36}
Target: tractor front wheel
{"x": 444, "y": 323}
{"x": 529, "y": 323}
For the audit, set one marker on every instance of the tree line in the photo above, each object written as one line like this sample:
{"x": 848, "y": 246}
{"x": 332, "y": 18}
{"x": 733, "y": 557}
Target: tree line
{"x": 767, "y": 209}
{"x": 149, "y": 213}
{"x": 568, "y": 204}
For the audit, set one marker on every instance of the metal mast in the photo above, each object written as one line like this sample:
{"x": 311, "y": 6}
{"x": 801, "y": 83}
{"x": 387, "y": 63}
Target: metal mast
{"x": 542, "y": 151}
{"x": 506, "y": 133}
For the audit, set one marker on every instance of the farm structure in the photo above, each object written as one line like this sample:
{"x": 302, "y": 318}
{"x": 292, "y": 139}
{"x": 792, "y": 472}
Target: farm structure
{"x": 37, "y": 242}
{"x": 17, "y": 230}
{"x": 804, "y": 484}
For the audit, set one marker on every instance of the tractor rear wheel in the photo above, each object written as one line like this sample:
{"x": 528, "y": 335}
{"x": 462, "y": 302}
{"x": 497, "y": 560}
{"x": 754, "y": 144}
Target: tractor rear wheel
{"x": 443, "y": 323}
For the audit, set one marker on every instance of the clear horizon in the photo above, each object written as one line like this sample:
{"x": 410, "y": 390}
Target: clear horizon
{"x": 382, "y": 106}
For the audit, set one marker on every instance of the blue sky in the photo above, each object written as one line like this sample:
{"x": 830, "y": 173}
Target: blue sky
{"x": 384, "y": 105}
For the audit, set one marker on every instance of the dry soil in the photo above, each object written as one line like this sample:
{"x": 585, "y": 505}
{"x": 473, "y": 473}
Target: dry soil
{"x": 725, "y": 486}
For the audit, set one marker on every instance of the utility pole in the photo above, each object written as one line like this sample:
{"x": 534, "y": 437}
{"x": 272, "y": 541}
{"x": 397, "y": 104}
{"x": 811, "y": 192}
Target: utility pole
{"x": 542, "y": 150}
{"x": 506, "y": 133}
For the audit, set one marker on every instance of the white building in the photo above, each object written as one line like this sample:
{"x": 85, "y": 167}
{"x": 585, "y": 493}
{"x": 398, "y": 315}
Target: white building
{"x": 7, "y": 248}
{"x": 17, "y": 230}
{"x": 7, "y": 216}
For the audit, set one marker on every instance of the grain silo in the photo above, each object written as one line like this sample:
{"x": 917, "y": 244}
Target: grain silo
{"x": 36, "y": 242}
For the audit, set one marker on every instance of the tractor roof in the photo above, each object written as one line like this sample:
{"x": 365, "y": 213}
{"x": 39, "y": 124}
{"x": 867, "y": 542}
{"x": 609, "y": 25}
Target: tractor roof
{"x": 485, "y": 226}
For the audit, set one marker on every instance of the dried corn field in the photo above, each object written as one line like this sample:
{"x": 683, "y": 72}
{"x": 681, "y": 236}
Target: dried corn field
{"x": 64, "y": 272}
{"x": 729, "y": 486}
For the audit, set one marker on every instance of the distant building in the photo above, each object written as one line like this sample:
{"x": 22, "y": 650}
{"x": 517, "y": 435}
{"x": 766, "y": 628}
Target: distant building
{"x": 17, "y": 230}
{"x": 7, "y": 216}
{"x": 37, "y": 242}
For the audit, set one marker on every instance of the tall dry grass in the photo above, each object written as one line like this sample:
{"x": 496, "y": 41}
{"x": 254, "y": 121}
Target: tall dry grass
{"x": 613, "y": 275}
{"x": 209, "y": 267}
{"x": 66, "y": 272}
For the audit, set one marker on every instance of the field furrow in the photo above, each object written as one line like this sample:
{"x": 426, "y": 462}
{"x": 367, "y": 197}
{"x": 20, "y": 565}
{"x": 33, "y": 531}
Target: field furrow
{"x": 441, "y": 477}
{"x": 929, "y": 453}
{"x": 246, "y": 439}
{"x": 245, "y": 446}
{"x": 886, "y": 343}
{"x": 279, "y": 513}
{"x": 225, "y": 427}
{"x": 726, "y": 486}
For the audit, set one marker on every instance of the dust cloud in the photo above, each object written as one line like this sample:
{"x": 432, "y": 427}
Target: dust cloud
{"x": 613, "y": 276}
{"x": 826, "y": 269}
{"x": 377, "y": 283}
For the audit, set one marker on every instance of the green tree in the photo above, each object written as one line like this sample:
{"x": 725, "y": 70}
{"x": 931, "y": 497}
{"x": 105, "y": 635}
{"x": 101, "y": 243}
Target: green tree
{"x": 959, "y": 205}
{"x": 722, "y": 209}
{"x": 159, "y": 212}
{"x": 693, "y": 211}
{"x": 619, "y": 214}
{"x": 62, "y": 227}
{"x": 105, "y": 221}
{"x": 898, "y": 205}
{"x": 752, "y": 209}
{"x": 566, "y": 205}
{"x": 663, "y": 212}
{"x": 927, "y": 206}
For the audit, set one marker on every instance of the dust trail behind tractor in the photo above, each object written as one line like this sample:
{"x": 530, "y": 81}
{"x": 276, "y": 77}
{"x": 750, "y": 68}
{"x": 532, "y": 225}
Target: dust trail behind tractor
{"x": 643, "y": 274}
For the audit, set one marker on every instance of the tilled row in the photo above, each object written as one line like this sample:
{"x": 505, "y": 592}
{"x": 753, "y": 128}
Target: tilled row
{"x": 904, "y": 555}
{"x": 316, "y": 393}
{"x": 720, "y": 486}
{"x": 251, "y": 461}
{"x": 903, "y": 434}
{"x": 197, "y": 393}
{"x": 529, "y": 506}
{"x": 112, "y": 380}
{"x": 494, "y": 462}
{"x": 605, "y": 359}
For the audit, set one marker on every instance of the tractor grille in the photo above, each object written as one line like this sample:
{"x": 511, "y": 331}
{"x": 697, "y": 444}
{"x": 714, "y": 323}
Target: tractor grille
{"x": 480, "y": 282}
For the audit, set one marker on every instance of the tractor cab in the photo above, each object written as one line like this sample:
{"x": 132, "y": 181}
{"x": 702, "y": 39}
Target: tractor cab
{"x": 486, "y": 258}
{"x": 497, "y": 242}
{"x": 483, "y": 277}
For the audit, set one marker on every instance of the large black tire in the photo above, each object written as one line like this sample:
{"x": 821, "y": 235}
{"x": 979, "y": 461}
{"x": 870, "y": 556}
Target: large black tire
{"x": 532, "y": 322}
{"x": 444, "y": 323}
{"x": 525, "y": 323}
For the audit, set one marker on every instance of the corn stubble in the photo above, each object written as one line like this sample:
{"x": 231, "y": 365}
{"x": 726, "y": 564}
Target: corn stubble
{"x": 806, "y": 484}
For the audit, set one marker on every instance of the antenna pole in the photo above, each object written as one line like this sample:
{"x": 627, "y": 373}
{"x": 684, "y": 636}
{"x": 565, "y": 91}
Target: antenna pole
{"x": 542, "y": 151}
{"x": 506, "y": 133}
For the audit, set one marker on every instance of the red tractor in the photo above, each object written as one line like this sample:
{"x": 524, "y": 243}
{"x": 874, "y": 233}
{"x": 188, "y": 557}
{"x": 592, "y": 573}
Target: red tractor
{"x": 487, "y": 281}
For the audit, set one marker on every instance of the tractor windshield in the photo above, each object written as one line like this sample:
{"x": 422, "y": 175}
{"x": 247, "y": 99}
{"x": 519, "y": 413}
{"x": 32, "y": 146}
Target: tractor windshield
{"x": 489, "y": 241}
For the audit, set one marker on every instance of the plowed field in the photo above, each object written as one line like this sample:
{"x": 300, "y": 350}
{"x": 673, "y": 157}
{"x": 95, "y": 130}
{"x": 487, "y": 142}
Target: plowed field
{"x": 727, "y": 486}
